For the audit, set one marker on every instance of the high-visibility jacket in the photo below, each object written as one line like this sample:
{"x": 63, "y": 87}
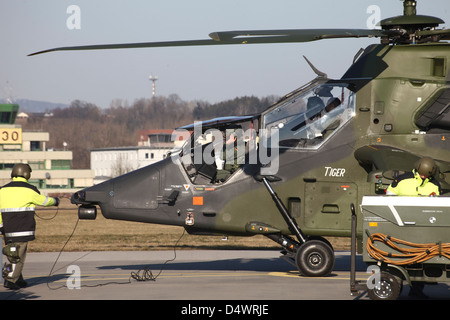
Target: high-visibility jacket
{"x": 411, "y": 184}
{"x": 17, "y": 204}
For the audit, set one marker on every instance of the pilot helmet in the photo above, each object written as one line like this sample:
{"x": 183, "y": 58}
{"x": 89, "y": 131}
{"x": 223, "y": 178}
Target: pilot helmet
{"x": 315, "y": 103}
{"x": 21, "y": 170}
{"x": 426, "y": 167}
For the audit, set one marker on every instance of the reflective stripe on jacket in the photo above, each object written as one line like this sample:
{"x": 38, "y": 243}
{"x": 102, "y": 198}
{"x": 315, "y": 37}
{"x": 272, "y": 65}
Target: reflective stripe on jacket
{"x": 17, "y": 203}
{"x": 411, "y": 184}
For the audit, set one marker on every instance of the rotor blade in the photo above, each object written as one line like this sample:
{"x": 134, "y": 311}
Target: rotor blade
{"x": 239, "y": 37}
{"x": 300, "y": 35}
{"x": 131, "y": 45}
{"x": 444, "y": 34}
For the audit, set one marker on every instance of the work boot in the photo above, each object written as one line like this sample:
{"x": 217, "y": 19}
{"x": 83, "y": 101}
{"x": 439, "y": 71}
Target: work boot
{"x": 11, "y": 285}
{"x": 21, "y": 282}
{"x": 416, "y": 291}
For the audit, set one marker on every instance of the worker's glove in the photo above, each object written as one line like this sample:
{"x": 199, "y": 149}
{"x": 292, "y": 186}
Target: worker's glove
{"x": 56, "y": 202}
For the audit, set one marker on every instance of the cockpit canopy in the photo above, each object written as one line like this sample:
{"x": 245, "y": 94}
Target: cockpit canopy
{"x": 309, "y": 117}
{"x": 304, "y": 119}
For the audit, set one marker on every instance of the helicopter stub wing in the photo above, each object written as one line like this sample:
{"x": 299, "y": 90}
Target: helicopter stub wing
{"x": 385, "y": 158}
{"x": 239, "y": 37}
{"x": 391, "y": 161}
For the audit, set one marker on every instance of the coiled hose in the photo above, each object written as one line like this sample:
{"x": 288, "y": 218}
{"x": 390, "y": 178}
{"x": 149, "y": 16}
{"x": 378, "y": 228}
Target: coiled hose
{"x": 413, "y": 253}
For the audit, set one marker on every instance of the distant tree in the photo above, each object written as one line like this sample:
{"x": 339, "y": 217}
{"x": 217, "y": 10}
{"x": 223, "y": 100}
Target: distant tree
{"x": 79, "y": 109}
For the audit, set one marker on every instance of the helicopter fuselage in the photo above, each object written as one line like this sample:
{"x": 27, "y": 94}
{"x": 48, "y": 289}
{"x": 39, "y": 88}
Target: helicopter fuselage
{"x": 393, "y": 108}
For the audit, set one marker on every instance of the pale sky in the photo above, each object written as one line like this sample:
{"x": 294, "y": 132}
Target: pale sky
{"x": 211, "y": 74}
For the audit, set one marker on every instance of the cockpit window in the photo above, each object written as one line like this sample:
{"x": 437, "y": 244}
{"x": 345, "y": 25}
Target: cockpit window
{"x": 311, "y": 117}
{"x": 217, "y": 148}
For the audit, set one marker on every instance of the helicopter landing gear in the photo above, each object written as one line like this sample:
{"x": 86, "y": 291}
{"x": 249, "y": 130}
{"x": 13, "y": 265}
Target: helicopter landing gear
{"x": 313, "y": 256}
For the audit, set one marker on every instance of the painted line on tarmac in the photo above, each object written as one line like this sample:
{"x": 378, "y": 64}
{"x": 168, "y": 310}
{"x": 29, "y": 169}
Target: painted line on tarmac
{"x": 121, "y": 276}
{"x": 109, "y": 276}
{"x": 333, "y": 276}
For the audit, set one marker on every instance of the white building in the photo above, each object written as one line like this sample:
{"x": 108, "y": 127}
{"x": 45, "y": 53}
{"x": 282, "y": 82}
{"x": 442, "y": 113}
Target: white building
{"x": 112, "y": 162}
{"x": 154, "y": 146}
{"x": 51, "y": 170}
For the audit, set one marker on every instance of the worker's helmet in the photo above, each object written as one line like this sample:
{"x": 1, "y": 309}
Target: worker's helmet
{"x": 426, "y": 167}
{"x": 21, "y": 170}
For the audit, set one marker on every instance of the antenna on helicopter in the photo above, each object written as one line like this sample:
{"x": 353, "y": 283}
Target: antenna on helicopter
{"x": 319, "y": 73}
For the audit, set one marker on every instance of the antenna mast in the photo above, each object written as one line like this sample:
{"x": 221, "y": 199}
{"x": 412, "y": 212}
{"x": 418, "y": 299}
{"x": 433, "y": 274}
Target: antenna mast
{"x": 153, "y": 79}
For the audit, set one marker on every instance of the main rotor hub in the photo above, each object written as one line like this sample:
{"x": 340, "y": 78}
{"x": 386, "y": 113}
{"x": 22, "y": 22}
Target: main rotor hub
{"x": 410, "y": 21}
{"x": 407, "y": 27}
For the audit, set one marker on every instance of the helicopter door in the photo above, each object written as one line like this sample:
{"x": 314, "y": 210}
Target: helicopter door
{"x": 327, "y": 205}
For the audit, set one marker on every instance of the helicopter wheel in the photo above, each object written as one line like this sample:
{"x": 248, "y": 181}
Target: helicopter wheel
{"x": 315, "y": 258}
{"x": 388, "y": 289}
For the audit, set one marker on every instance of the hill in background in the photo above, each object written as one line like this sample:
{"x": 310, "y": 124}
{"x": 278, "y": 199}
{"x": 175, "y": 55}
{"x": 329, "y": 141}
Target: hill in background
{"x": 35, "y": 106}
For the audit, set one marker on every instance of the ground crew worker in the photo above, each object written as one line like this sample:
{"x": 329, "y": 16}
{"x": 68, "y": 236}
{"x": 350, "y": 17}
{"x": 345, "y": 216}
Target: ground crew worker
{"x": 17, "y": 203}
{"x": 419, "y": 182}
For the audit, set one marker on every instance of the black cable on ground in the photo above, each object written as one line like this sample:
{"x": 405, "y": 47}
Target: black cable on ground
{"x": 144, "y": 274}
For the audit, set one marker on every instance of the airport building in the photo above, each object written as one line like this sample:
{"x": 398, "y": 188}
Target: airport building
{"x": 52, "y": 172}
{"x": 153, "y": 146}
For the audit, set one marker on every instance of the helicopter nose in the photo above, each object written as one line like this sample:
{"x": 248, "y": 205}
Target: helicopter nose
{"x": 78, "y": 197}
{"x": 92, "y": 195}
{"x": 86, "y": 211}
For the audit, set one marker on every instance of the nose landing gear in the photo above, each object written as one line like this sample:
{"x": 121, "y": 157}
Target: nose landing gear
{"x": 314, "y": 256}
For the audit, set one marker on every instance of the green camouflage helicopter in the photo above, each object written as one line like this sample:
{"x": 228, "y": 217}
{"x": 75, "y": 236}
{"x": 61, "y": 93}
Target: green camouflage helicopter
{"x": 307, "y": 158}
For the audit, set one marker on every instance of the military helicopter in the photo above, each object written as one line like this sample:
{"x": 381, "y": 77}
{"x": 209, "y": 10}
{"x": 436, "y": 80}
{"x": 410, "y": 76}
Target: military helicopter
{"x": 315, "y": 152}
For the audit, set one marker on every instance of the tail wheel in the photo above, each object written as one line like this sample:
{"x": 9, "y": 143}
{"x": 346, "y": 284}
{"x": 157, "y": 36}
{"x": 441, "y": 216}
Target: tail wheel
{"x": 388, "y": 289}
{"x": 315, "y": 258}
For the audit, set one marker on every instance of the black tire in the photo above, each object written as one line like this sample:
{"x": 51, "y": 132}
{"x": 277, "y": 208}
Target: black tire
{"x": 315, "y": 258}
{"x": 389, "y": 288}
